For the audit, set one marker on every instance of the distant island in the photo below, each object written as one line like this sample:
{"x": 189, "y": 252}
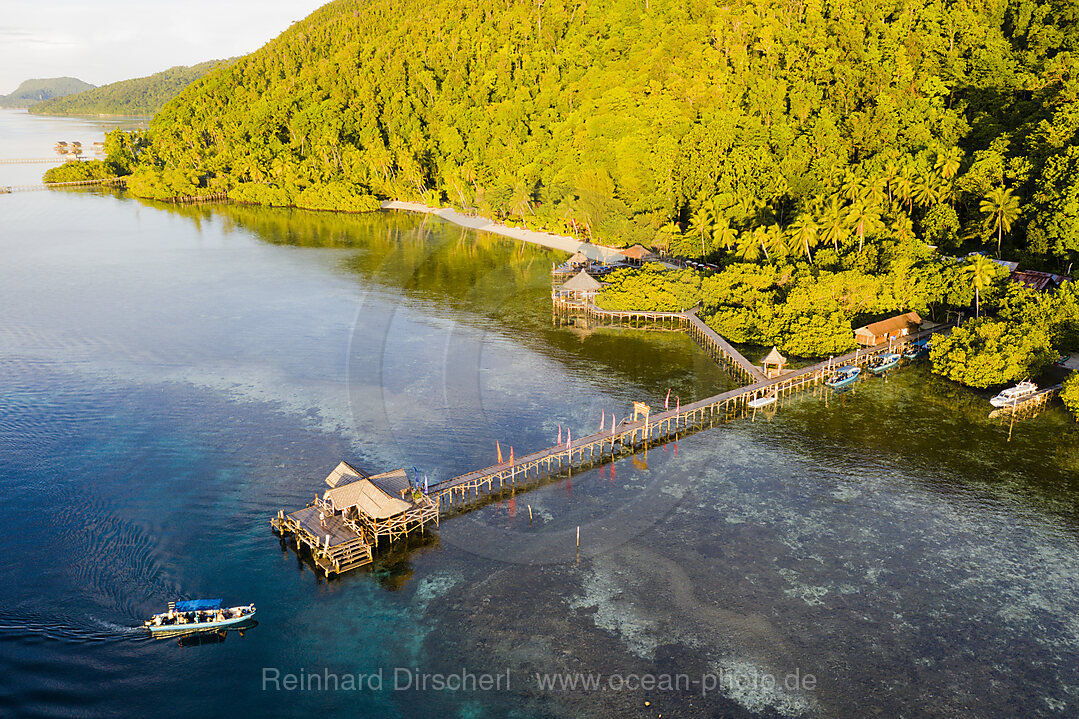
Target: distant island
{"x": 31, "y": 92}
{"x": 138, "y": 96}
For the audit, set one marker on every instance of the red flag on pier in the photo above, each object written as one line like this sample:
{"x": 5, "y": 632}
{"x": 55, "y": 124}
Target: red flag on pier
{"x": 602, "y": 418}
{"x": 678, "y": 405}
{"x": 559, "y": 435}
{"x": 511, "y": 454}
{"x": 568, "y": 440}
{"x": 667, "y": 402}
{"x": 499, "y": 447}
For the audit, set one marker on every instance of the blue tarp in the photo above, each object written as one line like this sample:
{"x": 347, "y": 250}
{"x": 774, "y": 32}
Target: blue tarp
{"x": 198, "y": 605}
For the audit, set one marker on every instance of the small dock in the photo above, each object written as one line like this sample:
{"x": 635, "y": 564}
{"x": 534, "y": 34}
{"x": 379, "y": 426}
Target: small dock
{"x": 342, "y": 527}
{"x": 1027, "y": 407}
{"x": 709, "y": 340}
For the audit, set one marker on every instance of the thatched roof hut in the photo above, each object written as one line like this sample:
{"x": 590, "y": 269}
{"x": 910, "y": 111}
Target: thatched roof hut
{"x": 582, "y": 282}
{"x": 638, "y": 254}
{"x": 774, "y": 359}
{"x": 367, "y": 497}
{"x": 578, "y": 259}
{"x": 344, "y": 473}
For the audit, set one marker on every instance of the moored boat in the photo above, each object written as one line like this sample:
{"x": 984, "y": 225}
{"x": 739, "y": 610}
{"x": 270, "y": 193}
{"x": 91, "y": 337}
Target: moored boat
{"x": 916, "y": 349}
{"x": 198, "y": 615}
{"x": 1015, "y": 394}
{"x": 843, "y": 377}
{"x": 762, "y": 401}
{"x": 882, "y": 362}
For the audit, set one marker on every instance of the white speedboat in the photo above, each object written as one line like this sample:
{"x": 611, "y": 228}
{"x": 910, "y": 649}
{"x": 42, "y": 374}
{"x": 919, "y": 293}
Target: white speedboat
{"x": 1015, "y": 394}
{"x": 198, "y": 615}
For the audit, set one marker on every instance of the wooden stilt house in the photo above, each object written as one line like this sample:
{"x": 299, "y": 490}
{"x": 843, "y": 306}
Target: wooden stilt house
{"x": 341, "y": 527}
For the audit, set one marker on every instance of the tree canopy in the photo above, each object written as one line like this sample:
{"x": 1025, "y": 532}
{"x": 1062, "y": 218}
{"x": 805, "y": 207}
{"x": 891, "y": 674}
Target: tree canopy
{"x": 620, "y": 118}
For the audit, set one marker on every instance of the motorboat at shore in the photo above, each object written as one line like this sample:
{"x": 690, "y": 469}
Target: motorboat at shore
{"x": 1015, "y": 394}
{"x": 198, "y": 615}
{"x": 882, "y": 362}
{"x": 844, "y": 377}
{"x": 916, "y": 349}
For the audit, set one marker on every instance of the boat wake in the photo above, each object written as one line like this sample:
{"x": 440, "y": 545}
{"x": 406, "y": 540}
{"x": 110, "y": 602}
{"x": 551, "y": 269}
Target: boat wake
{"x": 60, "y": 629}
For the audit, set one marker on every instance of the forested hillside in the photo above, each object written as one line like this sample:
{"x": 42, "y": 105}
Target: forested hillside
{"x": 140, "y": 96}
{"x": 31, "y": 92}
{"x": 622, "y": 116}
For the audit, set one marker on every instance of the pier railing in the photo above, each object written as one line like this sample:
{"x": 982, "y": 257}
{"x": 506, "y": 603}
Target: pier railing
{"x": 629, "y": 436}
{"x": 709, "y": 340}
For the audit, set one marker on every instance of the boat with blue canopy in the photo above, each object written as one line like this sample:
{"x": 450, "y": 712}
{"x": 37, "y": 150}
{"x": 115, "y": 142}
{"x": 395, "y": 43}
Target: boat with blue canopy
{"x": 916, "y": 349}
{"x": 882, "y": 362}
{"x": 844, "y": 377}
{"x": 196, "y": 615}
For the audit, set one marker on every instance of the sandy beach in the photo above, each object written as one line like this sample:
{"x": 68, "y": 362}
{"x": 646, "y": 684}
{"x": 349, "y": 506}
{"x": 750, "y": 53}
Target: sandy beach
{"x": 546, "y": 239}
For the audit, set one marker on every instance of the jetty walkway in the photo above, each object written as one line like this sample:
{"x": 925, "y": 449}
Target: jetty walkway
{"x": 637, "y": 432}
{"x": 50, "y": 185}
{"x": 719, "y": 349}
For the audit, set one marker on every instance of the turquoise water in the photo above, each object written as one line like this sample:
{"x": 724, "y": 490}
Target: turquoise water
{"x": 171, "y": 377}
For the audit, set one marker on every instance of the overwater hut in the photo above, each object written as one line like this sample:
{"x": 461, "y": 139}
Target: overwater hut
{"x": 638, "y": 255}
{"x": 773, "y": 363}
{"x": 342, "y": 526}
{"x": 383, "y": 505}
{"x": 889, "y": 329}
{"x": 581, "y": 287}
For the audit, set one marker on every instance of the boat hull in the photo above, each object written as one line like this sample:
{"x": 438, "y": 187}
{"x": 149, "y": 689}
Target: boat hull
{"x": 164, "y": 629}
{"x": 843, "y": 382}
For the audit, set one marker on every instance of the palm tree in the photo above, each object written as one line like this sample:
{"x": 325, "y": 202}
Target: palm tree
{"x": 891, "y": 173}
{"x": 874, "y": 192}
{"x": 671, "y": 230}
{"x": 864, "y": 218}
{"x": 981, "y": 273}
{"x": 749, "y": 249}
{"x": 803, "y": 232}
{"x": 521, "y": 199}
{"x": 776, "y": 240}
{"x": 1001, "y": 208}
{"x": 926, "y": 191}
{"x": 904, "y": 185}
{"x": 851, "y": 188}
{"x": 902, "y": 227}
{"x": 833, "y": 224}
{"x": 724, "y": 235}
{"x": 760, "y": 236}
{"x": 948, "y": 162}
{"x": 701, "y": 222}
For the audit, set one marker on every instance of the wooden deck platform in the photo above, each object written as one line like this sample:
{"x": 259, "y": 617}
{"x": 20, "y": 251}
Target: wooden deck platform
{"x": 336, "y": 545}
{"x": 709, "y": 340}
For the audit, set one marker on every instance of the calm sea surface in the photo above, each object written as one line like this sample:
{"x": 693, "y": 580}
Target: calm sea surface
{"x": 171, "y": 377}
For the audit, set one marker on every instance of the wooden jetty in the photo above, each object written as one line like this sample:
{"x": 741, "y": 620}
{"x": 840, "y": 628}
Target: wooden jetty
{"x": 52, "y": 185}
{"x": 644, "y": 428}
{"x": 342, "y": 527}
{"x": 33, "y": 160}
{"x": 710, "y": 341}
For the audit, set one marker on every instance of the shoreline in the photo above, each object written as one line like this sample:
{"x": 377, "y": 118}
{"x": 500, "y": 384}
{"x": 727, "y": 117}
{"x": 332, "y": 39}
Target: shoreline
{"x": 475, "y": 222}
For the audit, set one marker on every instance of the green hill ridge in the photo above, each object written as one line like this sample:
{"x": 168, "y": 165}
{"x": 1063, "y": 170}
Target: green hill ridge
{"x": 828, "y": 156}
{"x": 620, "y": 116}
{"x": 31, "y": 92}
{"x": 138, "y": 96}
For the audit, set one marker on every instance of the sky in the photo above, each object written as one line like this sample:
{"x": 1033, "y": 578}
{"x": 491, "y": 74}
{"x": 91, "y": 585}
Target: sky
{"x": 102, "y": 41}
